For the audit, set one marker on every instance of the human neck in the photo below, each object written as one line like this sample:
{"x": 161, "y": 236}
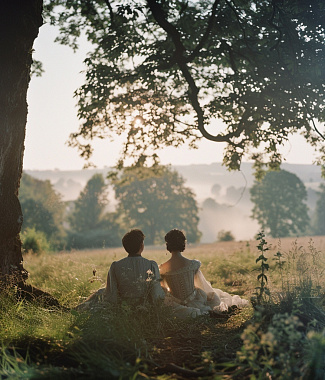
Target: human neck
{"x": 138, "y": 254}
{"x": 176, "y": 254}
{"x": 135, "y": 255}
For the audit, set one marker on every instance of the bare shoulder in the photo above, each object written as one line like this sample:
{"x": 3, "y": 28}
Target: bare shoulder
{"x": 164, "y": 267}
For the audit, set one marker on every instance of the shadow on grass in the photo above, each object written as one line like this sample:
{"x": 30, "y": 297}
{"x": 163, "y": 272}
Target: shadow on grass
{"x": 123, "y": 342}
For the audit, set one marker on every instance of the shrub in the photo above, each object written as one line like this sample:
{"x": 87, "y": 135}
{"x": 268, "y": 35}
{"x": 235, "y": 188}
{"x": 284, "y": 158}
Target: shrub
{"x": 225, "y": 236}
{"x": 272, "y": 351}
{"x": 34, "y": 241}
{"x": 285, "y": 339}
{"x": 96, "y": 238}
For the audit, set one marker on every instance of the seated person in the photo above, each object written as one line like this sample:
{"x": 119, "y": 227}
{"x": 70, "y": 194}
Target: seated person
{"x": 134, "y": 278}
{"x": 188, "y": 292}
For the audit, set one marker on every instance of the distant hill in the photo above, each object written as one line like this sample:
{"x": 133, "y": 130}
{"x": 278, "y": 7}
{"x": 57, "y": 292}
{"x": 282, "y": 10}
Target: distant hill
{"x": 202, "y": 177}
{"x": 199, "y": 177}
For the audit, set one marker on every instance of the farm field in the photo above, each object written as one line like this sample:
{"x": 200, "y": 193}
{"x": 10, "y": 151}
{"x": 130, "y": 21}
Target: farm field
{"x": 121, "y": 342}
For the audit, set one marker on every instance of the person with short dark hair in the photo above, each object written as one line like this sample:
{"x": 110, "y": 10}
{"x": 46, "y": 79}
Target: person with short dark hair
{"x": 132, "y": 241}
{"x": 187, "y": 291}
{"x": 134, "y": 278}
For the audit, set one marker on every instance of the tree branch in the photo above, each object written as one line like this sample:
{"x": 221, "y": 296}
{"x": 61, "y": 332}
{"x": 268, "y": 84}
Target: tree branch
{"x": 111, "y": 13}
{"x": 239, "y": 21}
{"x": 206, "y": 34}
{"x": 193, "y": 90}
{"x": 275, "y": 46}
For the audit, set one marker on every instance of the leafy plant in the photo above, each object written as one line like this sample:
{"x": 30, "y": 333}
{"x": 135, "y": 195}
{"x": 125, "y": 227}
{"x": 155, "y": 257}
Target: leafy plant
{"x": 284, "y": 338}
{"x": 42, "y": 208}
{"x": 35, "y": 241}
{"x": 262, "y": 290}
{"x": 302, "y": 271}
{"x": 315, "y": 356}
{"x": 273, "y": 353}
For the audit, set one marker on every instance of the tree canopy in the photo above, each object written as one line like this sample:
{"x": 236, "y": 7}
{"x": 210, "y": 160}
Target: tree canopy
{"x": 279, "y": 203}
{"x": 164, "y": 72}
{"x": 42, "y": 207}
{"x": 156, "y": 202}
{"x": 90, "y": 223}
{"x": 89, "y": 208}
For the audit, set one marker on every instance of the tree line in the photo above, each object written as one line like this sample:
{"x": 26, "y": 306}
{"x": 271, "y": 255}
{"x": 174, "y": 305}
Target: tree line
{"x": 278, "y": 201}
{"x": 154, "y": 202}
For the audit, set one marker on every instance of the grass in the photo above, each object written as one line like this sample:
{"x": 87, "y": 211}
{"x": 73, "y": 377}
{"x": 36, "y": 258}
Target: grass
{"x": 127, "y": 343}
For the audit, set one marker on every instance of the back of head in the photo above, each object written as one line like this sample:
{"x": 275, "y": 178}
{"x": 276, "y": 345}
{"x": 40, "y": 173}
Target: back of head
{"x": 175, "y": 240}
{"x": 132, "y": 241}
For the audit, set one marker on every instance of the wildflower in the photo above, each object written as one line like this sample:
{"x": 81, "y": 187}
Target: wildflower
{"x": 150, "y": 275}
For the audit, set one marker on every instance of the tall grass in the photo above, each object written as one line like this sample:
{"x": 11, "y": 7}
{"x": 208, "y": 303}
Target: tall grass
{"x": 285, "y": 339}
{"x": 125, "y": 342}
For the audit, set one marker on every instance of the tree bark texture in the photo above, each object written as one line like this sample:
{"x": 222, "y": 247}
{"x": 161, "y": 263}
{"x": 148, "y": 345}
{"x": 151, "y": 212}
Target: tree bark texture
{"x": 19, "y": 24}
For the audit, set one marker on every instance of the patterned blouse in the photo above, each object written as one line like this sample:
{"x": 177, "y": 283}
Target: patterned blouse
{"x": 135, "y": 279}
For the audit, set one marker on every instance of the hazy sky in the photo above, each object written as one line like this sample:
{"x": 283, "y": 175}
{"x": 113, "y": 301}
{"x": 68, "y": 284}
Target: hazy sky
{"x": 52, "y": 117}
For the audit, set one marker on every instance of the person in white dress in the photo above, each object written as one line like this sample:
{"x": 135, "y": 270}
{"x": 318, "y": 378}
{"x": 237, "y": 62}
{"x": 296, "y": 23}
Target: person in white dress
{"x": 187, "y": 291}
{"x": 133, "y": 279}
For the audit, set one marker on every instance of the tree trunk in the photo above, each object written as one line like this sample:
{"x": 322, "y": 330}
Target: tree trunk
{"x": 19, "y": 24}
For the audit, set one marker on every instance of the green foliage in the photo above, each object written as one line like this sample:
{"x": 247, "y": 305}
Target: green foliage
{"x": 37, "y": 216}
{"x": 301, "y": 272}
{"x": 100, "y": 237}
{"x": 111, "y": 341}
{"x": 273, "y": 353}
{"x": 318, "y": 222}
{"x": 156, "y": 201}
{"x": 279, "y": 203}
{"x": 37, "y": 68}
{"x": 35, "y": 241}
{"x": 315, "y": 355}
{"x": 225, "y": 236}
{"x": 283, "y": 340}
{"x": 262, "y": 291}
{"x": 91, "y": 226}
{"x": 42, "y": 208}
{"x": 162, "y": 72}
{"x": 90, "y": 205}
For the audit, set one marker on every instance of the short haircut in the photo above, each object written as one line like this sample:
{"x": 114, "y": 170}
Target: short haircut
{"x": 132, "y": 241}
{"x": 175, "y": 240}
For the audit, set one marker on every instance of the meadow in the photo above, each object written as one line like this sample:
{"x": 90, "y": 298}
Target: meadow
{"x": 281, "y": 336}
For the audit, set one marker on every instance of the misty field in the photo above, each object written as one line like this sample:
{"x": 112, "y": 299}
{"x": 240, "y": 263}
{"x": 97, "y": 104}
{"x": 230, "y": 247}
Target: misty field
{"x": 279, "y": 338}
